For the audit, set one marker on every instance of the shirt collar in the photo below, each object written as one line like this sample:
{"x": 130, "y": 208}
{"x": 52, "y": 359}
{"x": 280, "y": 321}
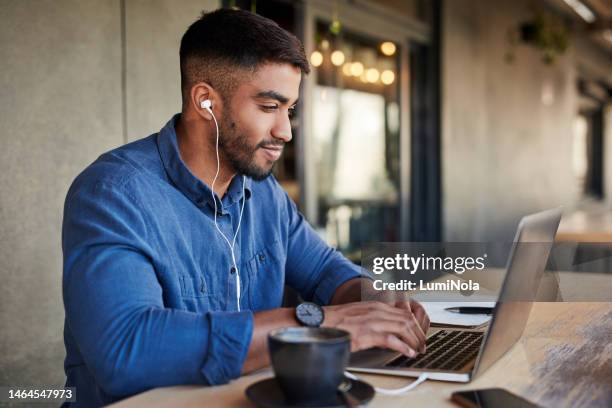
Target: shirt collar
{"x": 185, "y": 180}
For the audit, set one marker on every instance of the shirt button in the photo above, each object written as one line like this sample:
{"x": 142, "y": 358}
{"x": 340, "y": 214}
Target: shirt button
{"x": 262, "y": 257}
{"x": 232, "y": 270}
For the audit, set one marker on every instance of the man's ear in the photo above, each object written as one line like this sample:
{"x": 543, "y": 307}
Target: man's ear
{"x": 201, "y": 92}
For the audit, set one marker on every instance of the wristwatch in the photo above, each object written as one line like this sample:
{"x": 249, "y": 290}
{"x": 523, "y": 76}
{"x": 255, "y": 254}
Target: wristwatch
{"x": 309, "y": 314}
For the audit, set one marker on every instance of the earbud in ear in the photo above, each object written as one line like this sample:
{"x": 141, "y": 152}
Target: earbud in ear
{"x": 206, "y": 104}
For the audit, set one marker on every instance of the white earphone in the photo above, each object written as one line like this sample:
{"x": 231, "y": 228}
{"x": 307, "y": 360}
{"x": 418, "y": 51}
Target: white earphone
{"x": 207, "y": 104}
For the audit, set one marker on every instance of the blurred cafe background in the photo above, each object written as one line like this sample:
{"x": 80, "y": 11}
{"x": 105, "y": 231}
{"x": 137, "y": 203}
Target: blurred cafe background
{"x": 422, "y": 120}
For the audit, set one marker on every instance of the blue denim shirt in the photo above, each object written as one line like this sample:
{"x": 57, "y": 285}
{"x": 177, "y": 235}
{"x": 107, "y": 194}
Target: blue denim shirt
{"x": 148, "y": 288}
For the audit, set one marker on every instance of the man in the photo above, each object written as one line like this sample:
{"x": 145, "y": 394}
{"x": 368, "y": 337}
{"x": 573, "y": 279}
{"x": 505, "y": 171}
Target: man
{"x": 159, "y": 289}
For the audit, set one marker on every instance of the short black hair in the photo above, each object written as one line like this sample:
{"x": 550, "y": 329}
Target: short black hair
{"x": 226, "y": 42}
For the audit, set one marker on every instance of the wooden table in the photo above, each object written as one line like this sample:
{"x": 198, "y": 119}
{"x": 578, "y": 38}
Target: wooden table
{"x": 586, "y": 226}
{"x": 564, "y": 359}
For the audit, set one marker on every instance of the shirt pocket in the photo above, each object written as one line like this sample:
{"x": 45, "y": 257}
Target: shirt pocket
{"x": 266, "y": 273}
{"x": 195, "y": 293}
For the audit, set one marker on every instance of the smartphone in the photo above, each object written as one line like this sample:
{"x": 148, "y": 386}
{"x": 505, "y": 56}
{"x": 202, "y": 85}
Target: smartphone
{"x": 489, "y": 398}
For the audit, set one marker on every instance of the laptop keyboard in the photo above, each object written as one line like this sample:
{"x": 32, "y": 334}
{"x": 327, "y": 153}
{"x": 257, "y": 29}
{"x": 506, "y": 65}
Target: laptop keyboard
{"x": 446, "y": 350}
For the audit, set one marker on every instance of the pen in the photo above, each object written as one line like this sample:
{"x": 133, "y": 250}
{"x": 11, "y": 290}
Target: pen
{"x": 471, "y": 310}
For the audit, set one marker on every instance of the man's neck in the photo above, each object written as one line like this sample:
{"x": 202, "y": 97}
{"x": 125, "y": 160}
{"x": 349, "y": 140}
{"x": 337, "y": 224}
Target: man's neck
{"x": 197, "y": 148}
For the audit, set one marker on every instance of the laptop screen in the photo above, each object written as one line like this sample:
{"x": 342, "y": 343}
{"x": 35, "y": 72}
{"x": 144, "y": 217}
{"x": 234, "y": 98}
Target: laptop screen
{"x": 526, "y": 264}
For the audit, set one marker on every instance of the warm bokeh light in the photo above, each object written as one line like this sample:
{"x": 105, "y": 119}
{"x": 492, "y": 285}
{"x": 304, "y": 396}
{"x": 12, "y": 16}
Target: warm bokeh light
{"x": 316, "y": 59}
{"x": 356, "y": 69}
{"x": 387, "y": 77}
{"x": 337, "y": 58}
{"x": 387, "y": 48}
{"x": 324, "y": 45}
{"x": 346, "y": 69}
{"x": 372, "y": 75}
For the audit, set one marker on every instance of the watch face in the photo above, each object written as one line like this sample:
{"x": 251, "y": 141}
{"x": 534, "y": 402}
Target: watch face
{"x": 309, "y": 314}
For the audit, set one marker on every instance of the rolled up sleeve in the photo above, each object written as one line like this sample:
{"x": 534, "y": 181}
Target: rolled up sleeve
{"x": 229, "y": 346}
{"x": 115, "y": 311}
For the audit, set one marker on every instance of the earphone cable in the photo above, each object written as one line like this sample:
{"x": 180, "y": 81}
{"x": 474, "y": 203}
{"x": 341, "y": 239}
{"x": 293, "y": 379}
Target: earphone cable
{"x": 233, "y": 243}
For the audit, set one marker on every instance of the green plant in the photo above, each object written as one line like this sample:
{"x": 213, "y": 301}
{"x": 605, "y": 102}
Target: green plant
{"x": 545, "y": 32}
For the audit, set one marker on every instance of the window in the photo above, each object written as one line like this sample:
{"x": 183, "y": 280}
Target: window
{"x": 356, "y": 138}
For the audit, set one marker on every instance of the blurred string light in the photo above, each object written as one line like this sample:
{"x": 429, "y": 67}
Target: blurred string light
{"x": 372, "y": 75}
{"x": 356, "y": 69}
{"x": 352, "y": 68}
{"x": 337, "y": 58}
{"x": 387, "y": 77}
{"x": 316, "y": 58}
{"x": 346, "y": 69}
{"x": 388, "y": 48}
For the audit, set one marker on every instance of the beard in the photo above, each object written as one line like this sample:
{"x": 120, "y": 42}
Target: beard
{"x": 235, "y": 147}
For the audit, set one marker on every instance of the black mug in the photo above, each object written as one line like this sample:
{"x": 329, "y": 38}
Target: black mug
{"x": 309, "y": 362}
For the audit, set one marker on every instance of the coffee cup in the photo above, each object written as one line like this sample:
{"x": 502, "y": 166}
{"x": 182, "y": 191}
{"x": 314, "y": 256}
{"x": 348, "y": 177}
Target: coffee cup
{"x": 309, "y": 362}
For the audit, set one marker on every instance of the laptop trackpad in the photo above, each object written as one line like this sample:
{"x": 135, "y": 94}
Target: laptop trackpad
{"x": 373, "y": 357}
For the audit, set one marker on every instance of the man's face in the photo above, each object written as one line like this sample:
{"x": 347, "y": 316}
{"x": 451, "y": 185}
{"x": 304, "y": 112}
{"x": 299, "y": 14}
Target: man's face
{"x": 255, "y": 126}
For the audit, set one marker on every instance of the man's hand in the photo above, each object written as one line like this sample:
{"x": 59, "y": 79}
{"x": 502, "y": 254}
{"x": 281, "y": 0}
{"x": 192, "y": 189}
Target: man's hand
{"x": 417, "y": 310}
{"x": 399, "y": 326}
{"x": 394, "y": 322}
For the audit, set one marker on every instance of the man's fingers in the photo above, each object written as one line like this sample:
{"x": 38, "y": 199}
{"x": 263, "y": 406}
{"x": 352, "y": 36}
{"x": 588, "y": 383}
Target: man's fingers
{"x": 364, "y": 308}
{"x": 421, "y": 314}
{"x": 401, "y": 329}
{"x": 421, "y": 317}
{"x": 425, "y": 322}
{"x": 394, "y": 343}
{"x": 418, "y": 310}
{"x": 368, "y": 321}
{"x": 389, "y": 341}
{"x": 418, "y": 331}
{"x": 401, "y": 310}
{"x": 387, "y": 312}
{"x": 403, "y": 304}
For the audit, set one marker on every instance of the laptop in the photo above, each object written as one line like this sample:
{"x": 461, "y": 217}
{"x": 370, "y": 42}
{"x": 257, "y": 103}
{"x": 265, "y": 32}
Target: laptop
{"x": 462, "y": 354}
